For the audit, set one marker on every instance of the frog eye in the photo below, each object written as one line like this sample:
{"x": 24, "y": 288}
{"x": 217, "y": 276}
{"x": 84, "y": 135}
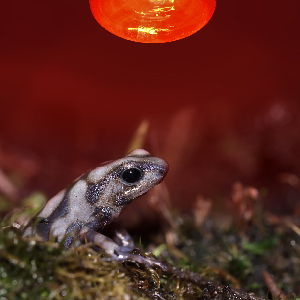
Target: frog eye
{"x": 131, "y": 175}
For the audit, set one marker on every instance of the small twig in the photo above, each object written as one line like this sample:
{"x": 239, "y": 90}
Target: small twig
{"x": 273, "y": 287}
{"x": 7, "y": 187}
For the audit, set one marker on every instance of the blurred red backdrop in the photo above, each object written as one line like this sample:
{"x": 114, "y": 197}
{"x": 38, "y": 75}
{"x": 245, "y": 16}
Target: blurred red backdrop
{"x": 223, "y": 104}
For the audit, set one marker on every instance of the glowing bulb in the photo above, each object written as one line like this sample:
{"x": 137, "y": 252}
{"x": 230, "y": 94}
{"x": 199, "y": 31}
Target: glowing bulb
{"x": 152, "y": 21}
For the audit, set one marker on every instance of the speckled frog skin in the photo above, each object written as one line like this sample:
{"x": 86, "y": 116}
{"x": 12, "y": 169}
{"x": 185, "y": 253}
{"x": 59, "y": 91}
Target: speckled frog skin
{"x": 96, "y": 198}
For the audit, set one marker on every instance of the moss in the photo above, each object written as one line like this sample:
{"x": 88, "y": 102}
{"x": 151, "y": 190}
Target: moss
{"x": 223, "y": 259}
{"x": 239, "y": 260}
{"x": 44, "y": 270}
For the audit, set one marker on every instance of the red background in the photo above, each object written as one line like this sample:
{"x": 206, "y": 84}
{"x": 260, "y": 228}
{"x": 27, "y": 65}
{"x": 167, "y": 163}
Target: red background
{"x": 222, "y": 104}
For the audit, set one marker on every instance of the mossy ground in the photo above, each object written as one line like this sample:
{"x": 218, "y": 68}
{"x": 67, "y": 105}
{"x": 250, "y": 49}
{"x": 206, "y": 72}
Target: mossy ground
{"x": 229, "y": 255}
{"x": 38, "y": 270}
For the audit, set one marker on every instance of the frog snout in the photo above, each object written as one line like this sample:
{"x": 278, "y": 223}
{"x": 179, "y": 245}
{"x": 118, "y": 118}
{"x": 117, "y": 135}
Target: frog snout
{"x": 163, "y": 170}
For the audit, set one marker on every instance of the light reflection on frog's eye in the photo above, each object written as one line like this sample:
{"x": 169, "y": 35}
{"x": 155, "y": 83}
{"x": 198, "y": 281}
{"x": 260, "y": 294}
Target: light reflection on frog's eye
{"x": 131, "y": 175}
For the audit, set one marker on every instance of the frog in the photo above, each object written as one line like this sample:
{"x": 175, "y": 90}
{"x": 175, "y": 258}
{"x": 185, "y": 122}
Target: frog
{"x": 79, "y": 213}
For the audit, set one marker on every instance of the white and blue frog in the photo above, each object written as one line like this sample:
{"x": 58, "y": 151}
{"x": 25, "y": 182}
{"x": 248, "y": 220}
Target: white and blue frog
{"x": 95, "y": 199}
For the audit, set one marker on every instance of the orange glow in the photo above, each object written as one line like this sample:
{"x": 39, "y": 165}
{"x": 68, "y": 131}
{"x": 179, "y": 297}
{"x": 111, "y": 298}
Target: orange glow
{"x": 152, "y": 21}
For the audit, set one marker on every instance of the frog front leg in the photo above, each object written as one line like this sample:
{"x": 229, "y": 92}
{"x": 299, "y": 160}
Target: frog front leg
{"x": 99, "y": 219}
{"x": 109, "y": 246}
{"x": 89, "y": 235}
